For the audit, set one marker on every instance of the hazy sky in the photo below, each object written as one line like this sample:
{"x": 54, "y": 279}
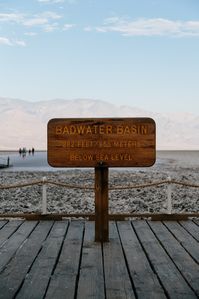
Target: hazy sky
{"x": 142, "y": 53}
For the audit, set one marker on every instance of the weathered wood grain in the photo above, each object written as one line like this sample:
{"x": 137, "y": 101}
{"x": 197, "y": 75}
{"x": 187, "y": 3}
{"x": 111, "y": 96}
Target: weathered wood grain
{"x": 115, "y": 142}
{"x": 186, "y": 240}
{"x": 91, "y": 278}
{"x": 192, "y": 228}
{"x": 36, "y": 282}
{"x": 171, "y": 279}
{"x": 9, "y": 229}
{"x": 145, "y": 280}
{"x": 10, "y": 247}
{"x": 63, "y": 282}
{"x": 14, "y": 273}
{"x": 143, "y": 259}
{"x": 186, "y": 265}
{"x": 2, "y": 223}
{"x": 101, "y": 204}
{"x": 117, "y": 280}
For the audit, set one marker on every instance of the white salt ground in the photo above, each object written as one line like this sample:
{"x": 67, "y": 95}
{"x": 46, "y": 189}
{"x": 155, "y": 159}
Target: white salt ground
{"x": 150, "y": 199}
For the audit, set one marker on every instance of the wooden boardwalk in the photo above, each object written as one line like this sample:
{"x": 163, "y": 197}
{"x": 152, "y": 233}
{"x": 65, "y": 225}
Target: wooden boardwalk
{"x": 144, "y": 259}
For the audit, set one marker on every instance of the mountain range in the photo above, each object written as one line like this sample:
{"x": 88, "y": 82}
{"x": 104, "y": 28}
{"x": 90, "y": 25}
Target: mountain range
{"x": 24, "y": 123}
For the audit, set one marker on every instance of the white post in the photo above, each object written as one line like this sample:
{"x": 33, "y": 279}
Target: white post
{"x": 44, "y": 197}
{"x": 169, "y": 199}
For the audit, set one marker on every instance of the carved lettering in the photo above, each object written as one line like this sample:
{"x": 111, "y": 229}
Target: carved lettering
{"x": 116, "y": 142}
{"x": 134, "y": 129}
{"x": 65, "y": 131}
{"x": 58, "y": 130}
{"x": 102, "y": 157}
{"x": 80, "y": 129}
{"x": 80, "y": 157}
{"x": 83, "y": 129}
{"x": 101, "y": 130}
{"x": 101, "y": 143}
{"x": 121, "y": 157}
{"x": 109, "y": 129}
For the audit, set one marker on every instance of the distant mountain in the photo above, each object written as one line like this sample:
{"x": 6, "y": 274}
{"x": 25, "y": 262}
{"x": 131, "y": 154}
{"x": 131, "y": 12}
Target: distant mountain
{"x": 24, "y": 124}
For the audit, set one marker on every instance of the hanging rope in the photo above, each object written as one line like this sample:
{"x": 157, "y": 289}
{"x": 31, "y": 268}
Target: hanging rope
{"x": 68, "y": 186}
{"x": 20, "y": 185}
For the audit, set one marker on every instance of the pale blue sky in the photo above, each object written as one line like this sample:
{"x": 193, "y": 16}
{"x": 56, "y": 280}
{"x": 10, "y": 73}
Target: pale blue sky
{"x": 143, "y": 53}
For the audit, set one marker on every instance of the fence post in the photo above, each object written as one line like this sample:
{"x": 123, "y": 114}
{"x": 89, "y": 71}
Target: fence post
{"x": 44, "y": 197}
{"x": 169, "y": 199}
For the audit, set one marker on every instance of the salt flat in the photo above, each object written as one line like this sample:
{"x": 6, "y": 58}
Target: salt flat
{"x": 181, "y": 166}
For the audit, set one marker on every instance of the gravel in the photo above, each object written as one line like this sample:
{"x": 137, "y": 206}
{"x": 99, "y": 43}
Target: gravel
{"x": 60, "y": 199}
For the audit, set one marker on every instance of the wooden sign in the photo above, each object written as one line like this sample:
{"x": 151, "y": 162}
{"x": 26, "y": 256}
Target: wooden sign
{"x": 116, "y": 142}
{"x": 101, "y": 143}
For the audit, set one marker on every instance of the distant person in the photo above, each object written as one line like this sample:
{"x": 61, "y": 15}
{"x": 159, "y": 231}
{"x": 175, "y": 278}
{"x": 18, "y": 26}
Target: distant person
{"x": 33, "y": 151}
{"x": 8, "y": 161}
{"x": 20, "y": 151}
{"x": 23, "y": 152}
{"x": 29, "y": 151}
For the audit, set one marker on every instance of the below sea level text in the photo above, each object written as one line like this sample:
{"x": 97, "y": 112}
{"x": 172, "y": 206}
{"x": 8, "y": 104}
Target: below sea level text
{"x": 100, "y": 157}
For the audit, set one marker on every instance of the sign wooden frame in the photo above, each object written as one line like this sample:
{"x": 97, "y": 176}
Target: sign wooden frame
{"x": 116, "y": 142}
{"x": 101, "y": 143}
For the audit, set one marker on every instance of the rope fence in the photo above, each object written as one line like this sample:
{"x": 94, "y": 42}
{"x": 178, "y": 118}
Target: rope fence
{"x": 44, "y": 182}
{"x": 68, "y": 186}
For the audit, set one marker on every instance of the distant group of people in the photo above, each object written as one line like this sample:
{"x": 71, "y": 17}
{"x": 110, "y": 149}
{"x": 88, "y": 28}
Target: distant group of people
{"x": 23, "y": 151}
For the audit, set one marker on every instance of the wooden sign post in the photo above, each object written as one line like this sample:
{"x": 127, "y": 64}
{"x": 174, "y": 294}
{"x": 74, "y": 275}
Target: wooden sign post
{"x": 101, "y": 143}
{"x": 101, "y": 204}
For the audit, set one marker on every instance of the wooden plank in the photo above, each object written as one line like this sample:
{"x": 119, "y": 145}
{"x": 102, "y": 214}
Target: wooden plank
{"x": 170, "y": 277}
{"x": 10, "y": 247}
{"x": 14, "y": 273}
{"x": 101, "y": 204}
{"x": 64, "y": 279}
{"x": 144, "y": 279}
{"x": 115, "y": 142}
{"x": 186, "y": 265}
{"x": 186, "y": 240}
{"x": 192, "y": 228}
{"x": 91, "y": 279}
{"x": 196, "y": 221}
{"x": 2, "y": 223}
{"x": 173, "y": 217}
{"x": 117, "y": 280}
{"x": 37, "y": 280}
{"x": 8, "y": 230}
